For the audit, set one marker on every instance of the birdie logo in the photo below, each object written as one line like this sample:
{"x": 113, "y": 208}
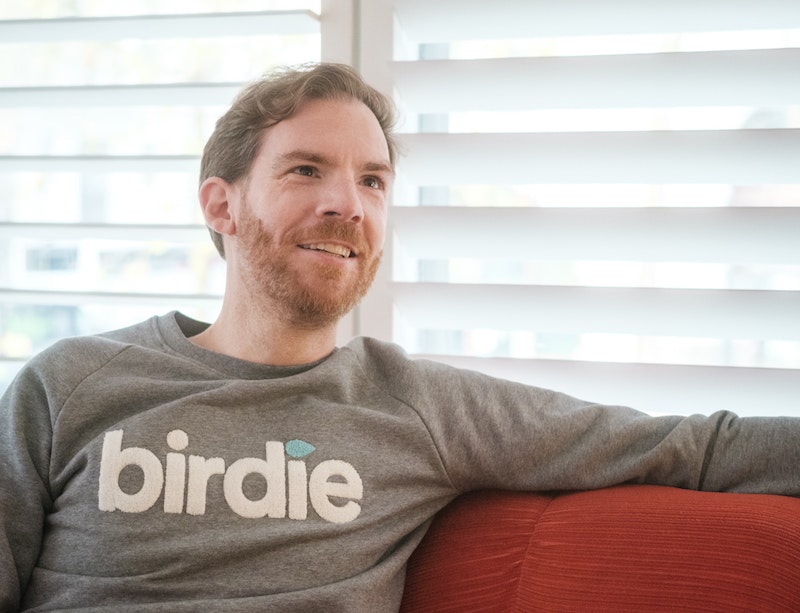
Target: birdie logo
{"x": 331, "y": 488}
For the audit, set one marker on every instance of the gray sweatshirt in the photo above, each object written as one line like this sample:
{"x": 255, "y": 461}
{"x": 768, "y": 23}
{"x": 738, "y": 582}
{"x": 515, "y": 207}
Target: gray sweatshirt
{"x": 143, "y": 473}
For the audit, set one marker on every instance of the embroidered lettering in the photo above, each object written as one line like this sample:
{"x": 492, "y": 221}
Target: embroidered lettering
{"x": 332, "y": 488}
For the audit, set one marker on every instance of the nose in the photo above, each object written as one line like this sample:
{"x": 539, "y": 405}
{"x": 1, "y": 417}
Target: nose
{"x": 342, "y": 200}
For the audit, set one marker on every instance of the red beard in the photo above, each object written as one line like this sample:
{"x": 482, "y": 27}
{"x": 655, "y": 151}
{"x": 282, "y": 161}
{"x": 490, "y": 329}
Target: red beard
{"x": 305, "y": 303}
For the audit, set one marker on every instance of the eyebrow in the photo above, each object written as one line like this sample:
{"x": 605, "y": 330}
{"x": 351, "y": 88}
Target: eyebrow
{"x": 379, "y": 167}
{"x": 300, "y": 155}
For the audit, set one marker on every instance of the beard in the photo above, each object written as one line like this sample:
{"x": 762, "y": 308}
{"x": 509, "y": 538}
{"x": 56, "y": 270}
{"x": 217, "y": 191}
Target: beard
{"x": 320, "y": 296}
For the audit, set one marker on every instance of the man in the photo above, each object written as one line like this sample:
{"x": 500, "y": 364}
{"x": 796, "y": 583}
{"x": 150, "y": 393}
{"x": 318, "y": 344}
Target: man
{"x": 250, "y": 465}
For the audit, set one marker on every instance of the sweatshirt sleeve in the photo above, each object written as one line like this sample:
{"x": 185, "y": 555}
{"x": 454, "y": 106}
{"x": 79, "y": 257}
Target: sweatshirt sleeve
{"x": 25, "y": 437}
{"x": 493, "y": 433}
{"x": 29, "y": 416}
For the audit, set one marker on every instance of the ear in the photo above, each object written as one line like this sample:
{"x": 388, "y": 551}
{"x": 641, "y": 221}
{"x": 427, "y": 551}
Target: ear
{"x": 218, "y": 201}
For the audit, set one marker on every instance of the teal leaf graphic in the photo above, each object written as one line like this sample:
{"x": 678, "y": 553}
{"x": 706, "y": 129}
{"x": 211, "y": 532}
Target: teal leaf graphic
{"x": 298, "y": 449}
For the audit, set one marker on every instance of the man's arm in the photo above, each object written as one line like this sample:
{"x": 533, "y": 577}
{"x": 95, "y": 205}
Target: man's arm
{"x": 25, "y": 438}
{"x": 493, "y": 433}
{"x": 755, "y": 455}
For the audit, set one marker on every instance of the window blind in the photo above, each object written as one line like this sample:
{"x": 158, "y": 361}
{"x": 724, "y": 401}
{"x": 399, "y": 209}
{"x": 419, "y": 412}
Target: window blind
{"x": 599, "y": 197}
{"x": 103, "y": 118}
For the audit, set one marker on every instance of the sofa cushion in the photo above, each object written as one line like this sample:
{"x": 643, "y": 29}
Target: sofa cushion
{"x": 628, "y": 548}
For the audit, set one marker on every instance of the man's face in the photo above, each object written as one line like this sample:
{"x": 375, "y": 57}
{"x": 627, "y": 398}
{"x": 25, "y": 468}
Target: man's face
{"x": 312, "y": 221}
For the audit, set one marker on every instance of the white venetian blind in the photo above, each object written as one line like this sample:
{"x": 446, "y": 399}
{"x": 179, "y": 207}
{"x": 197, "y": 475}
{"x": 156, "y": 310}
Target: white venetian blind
{"x": 104, "y": 110}
{"x": 602, "y": 197}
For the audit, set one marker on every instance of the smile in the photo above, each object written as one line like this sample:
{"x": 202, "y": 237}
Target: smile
{"x": 331, "y": 248}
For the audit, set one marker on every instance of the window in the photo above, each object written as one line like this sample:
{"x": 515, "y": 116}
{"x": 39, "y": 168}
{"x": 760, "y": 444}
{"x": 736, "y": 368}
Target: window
{"x": 103, "y": 115}
{"x": 601, "y": 197}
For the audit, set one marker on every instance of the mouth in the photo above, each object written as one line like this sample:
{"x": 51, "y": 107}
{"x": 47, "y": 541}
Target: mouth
{"x": 331, "y": 248}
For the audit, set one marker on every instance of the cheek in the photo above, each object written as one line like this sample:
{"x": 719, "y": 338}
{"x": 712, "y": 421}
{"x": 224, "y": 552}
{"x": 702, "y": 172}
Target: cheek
{"x": 376, "y": 219}
{"x": 281, "y": 212}
{"x": 377, "y": 232}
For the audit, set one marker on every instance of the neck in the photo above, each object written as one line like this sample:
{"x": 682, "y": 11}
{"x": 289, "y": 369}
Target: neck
{"x": 265, "y": 339}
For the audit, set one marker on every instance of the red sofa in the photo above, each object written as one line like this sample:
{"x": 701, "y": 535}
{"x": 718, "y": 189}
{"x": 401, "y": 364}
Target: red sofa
{"x": 629, "y": 548}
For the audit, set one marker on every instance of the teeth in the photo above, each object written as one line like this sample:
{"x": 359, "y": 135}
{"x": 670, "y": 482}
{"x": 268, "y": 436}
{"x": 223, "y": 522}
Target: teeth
{"x": 329, "y": 248}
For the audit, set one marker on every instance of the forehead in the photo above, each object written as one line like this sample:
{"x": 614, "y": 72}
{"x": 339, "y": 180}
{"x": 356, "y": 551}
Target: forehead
{"x": 332, "y": 127}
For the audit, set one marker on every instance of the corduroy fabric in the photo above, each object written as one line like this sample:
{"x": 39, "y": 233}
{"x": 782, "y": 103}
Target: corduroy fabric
{"x": 472, "y": 556}
{"x": 622, "y": 549}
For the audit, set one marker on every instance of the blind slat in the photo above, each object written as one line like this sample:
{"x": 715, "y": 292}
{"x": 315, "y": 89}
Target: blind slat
{"x": 729, "y": 314}
{"x": 446, "y": 20}
{"x": 99, "y": 164}
{"x": 720, "y": 78}
{"x": 736, "y": 157}
{"x": 666, "y": 389}
{"x": 188, "y": 94}
{"x": 162, "y": 300}
{"x": 159, "y": 26}
{"x": 123, "y": 232}
{"x": 647, "y": 234}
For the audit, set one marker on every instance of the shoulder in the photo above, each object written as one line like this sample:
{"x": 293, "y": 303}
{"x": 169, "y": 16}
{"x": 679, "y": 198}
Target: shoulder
{"x": 61, "y": 367}
{"x": 377, "y": 354}
{"x": 425, "y": 382}
{"x": 365, "y": 346}
{"x": 90, "y": 349}
{"x": 76, "y": 353}
{"x": 381, "y": 359}
{"x": 405, "y": 377}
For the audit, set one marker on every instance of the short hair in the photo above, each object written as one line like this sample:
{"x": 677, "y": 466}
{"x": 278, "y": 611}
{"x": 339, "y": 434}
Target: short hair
{"x": 232, "y": 147}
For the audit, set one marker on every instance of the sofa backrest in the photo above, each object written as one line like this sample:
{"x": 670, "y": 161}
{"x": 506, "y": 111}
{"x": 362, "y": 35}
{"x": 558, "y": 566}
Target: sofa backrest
{"x": 629, "y": 548}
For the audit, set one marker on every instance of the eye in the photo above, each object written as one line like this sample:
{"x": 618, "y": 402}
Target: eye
{"x": 373, "y": 182}
{"x": 306, "y": 171}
